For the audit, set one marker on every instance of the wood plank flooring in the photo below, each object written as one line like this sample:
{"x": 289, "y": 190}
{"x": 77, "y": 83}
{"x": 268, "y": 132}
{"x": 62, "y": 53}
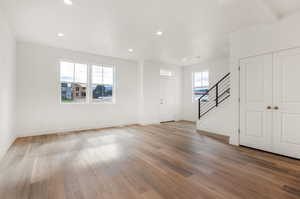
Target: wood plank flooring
{"x": 167, "y": 161}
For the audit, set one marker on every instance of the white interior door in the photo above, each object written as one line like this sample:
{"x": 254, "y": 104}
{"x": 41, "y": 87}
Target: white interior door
{"x": 167, "y": 99}
{"x": 256, "y": 102}
{"x": 286, "y": 139}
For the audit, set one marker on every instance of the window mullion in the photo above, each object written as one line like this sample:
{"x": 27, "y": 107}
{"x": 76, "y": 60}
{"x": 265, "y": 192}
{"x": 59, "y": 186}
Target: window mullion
{"x": 87, "y": 92}
{"x": 74, "y": 73}
{"x": 202, "y": 79}
{"x": 102, "y": 75}
{"x": 102, "y": 80}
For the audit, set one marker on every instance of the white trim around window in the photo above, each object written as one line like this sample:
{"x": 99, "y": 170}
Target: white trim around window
{"x": 200, "y": 82}
{"x": 76, "y": 85}
{"x": 105, "y": 82}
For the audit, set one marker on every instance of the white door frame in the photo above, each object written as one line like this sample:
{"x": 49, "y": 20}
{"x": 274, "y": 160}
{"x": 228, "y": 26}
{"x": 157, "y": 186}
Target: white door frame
{"x": 273, "y": 53}
{"x": 173, "y": 78}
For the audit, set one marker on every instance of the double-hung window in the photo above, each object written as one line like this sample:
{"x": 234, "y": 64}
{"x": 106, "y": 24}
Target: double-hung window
{"x": 82, "y": 83}
{"x": 73, "y": 82}
{"x": 102, "y": 83}
{"x": 200, "y": 84}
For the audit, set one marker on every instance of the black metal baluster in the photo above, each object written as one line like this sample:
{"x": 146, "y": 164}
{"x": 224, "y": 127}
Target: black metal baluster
{"x": 199, "y": 104}
{"x": 217, "y": 94}
{"x": 220, "y": 89}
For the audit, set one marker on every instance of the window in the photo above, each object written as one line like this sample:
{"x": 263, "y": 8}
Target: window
{"x": 200, "y": 84}
{"x": 166, "y": 73}
{"x": 73, "y": 80}
{"x": 102, "y": 83}
{"x": 76, "y": 88}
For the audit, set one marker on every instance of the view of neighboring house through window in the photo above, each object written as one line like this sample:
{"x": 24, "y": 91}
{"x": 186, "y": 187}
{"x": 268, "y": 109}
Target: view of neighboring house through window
{"x": 200, "y": 84}
{"x": 73, "y": 79}
{"x": 102, "y": 83}
{"x": 75, "y": 85}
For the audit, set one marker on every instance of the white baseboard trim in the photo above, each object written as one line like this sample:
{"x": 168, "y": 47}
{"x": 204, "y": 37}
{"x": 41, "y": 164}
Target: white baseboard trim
{"x": 234, "y": 140}
{"x": 65, "y": 130}
{"x": 4, "y": 148}
{"x": 215, "y": 131}
{"x": 149, "y": 122}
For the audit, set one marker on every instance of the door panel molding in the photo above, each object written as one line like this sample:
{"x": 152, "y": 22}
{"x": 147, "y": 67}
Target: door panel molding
{"x": 255, "y": 96}
{"x": 280, "y": 122}
{"x": 286, "y": 96}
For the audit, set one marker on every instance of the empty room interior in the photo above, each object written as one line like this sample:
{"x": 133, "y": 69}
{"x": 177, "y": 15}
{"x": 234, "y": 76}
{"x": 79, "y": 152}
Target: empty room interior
{"x": 149, "y": 99}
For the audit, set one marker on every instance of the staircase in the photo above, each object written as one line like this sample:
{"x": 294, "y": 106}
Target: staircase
{"x": 214, "y": 96}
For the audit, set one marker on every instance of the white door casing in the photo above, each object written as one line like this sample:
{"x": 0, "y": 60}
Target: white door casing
{"x": 167, "y": 99}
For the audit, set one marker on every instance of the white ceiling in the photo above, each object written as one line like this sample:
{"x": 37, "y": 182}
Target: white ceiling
{"x": 110, "y": 27}
{"x": 282, "y": 8}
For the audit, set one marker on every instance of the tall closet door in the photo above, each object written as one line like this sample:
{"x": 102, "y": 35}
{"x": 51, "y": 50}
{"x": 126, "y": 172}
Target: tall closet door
{"x": 256, "y": 96}
{"x": 286, "y": 136}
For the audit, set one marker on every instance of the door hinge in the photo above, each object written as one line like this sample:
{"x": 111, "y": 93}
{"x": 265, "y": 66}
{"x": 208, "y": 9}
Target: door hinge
{"x": 239, "y": 100}
{"x": 239, "y": 68}
{"x": 239, "y": 131}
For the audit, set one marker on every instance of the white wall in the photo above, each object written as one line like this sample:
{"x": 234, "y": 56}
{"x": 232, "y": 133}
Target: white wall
{"x": 219, "y": 120}
{"x": 38, "y": 105}
{"x": 7, "y": 82}
{"x": 266, "y": 38}
{"x": 255, "y": 41}
{"x": 217, "y": 69}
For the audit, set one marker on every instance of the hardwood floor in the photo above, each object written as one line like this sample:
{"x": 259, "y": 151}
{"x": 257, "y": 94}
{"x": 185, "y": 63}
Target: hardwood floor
{"x": 167, "y": 161}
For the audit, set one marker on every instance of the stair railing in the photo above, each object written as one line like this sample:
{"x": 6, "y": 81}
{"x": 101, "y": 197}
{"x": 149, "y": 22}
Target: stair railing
{"x": 217, "y": 94}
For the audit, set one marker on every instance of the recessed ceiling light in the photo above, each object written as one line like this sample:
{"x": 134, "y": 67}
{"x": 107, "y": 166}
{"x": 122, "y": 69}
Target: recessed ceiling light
{"x": 60, "y": 34}
{"x": 68, "y": 2}
{"x": 159, "y": 33}
{"x": 130, "y": 50}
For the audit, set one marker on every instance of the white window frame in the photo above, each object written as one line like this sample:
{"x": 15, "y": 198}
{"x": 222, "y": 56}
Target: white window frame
{"x": 172, "y": 73}
{"x": 59, "y": 82}
{"x": 92, "y": 101}
{"x": 89, "y": 97}
{"x": 193, "y": 83}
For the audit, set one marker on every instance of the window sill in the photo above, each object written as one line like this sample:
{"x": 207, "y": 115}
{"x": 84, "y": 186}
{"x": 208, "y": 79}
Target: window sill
{"x": 101, "y": 102}
{"x": 72, "y": 103}
{"x": 86, "y": 103}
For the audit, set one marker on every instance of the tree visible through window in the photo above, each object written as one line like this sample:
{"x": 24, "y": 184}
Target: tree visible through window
{"x": 200, "y": 84}
{"x": 102, "y": 83}
{"x": 75, "y": 85}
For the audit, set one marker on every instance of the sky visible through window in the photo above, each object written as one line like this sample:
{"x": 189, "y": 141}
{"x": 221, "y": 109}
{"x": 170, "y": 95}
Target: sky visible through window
{"x": 200, "y": 84}
{"x": 70, "y": 72}
{"x": 166, "y": 73}
{"x": 66, "y": 72}
{"x": 81, "y": 73}
{"x": 102, "y": 75}
{"x": 201, "y": 79}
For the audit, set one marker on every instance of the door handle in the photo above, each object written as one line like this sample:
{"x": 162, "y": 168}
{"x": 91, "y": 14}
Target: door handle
{"x": 269, "y": 107}
{"x": 276, "y": 107}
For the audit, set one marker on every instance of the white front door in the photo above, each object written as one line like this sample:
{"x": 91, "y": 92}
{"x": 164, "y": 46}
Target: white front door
{"x": 167, "y": 99}
{"x": 256, "y": 102}
{"x": 287, "y": 103}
